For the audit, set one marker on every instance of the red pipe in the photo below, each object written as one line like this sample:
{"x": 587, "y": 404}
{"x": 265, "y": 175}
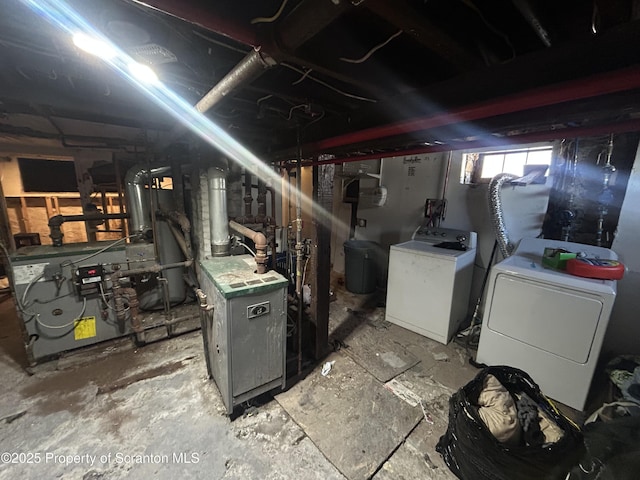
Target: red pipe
{"x": 602, "y": 84}
{"x": 200, "y": 14}
{"x": 619, "y": 127}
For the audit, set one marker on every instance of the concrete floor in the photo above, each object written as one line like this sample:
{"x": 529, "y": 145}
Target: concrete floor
{"x": 116, "y": 411}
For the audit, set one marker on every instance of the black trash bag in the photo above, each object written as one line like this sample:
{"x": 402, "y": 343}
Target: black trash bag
{"x": 472, "y": 452}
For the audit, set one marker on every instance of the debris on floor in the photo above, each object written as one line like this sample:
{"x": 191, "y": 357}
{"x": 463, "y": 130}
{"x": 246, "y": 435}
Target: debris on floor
{"x": 441, "y": 357}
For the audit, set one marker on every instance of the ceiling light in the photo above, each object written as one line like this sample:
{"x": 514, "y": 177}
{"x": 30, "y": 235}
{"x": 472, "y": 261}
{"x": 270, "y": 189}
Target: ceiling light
{"x": 94, "y": 46}
{"x": 143, "y": 73}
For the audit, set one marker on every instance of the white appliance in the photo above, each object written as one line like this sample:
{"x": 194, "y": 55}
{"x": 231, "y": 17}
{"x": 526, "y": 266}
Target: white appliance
{"x": 430, "y": 281}
{"x": 547, "y": 322}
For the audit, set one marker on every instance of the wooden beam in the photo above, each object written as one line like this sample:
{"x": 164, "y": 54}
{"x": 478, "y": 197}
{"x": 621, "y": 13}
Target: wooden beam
{"x": 320, "y": 268}
{"x": 48, "y": 205}
{"x": 428, "y": 34}
{"x": 5, "y": 230}
{"x": 25, "y": 225}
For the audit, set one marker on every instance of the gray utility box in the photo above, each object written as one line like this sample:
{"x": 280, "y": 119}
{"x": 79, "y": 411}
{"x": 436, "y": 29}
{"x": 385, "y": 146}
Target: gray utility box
{"x": 245, "y": 336}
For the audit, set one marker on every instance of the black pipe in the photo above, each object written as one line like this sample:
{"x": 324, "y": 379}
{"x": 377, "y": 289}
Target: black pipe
{"x": 56, "y": 222}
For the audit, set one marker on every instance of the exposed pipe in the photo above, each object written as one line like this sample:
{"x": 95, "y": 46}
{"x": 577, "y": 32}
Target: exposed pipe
{"x": 490, "y": 141}
{"x": 497, "y": 214}
{"x": 218, "y": 212}
{"x": 443, "y": 212}
{"x": 262, "y": 202}
{"x": 260, "y": 241}
{"x": 150, "y": 269}
{"x": 248, "y": 198}
{"x": 271, "y": 227}
{"x": 606, "y": 196}
{"x": 596, "y": 85}
{"x": 298, "y": 248}
{"x": 120, "y": 294}
{"x": 204, "y": 325}
{"x": 183, "y": 222}
{"x": 180, "y": 240}
{"x": 55, "y": 222}
{"x": 205, "y": 308}
{"x": 272, "y": 192}
{"x": 234, "y": 191}
{"x": 532, "y": 19}
{"x": 307, "y": 19}
{"x": 136, "y": 180}
{"x": 249, "y": 68}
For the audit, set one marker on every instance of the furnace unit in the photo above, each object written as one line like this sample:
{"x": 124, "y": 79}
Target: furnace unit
{"x": 245, "y": 334}
{"x": 60, "y": 296}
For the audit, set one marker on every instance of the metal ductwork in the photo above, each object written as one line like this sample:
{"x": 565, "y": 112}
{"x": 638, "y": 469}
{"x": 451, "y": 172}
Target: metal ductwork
{"x": 218, "y": 222}
{"x": 249, "y": 68}
{"x": 136, "y": 180}
{"x": 497, "y": 215}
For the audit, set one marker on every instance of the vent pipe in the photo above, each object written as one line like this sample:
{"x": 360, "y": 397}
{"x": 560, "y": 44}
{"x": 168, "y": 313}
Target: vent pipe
{"x": 136, "y": 181}
{"x": 497, "y": 214}
{"x": 218, "y": 221}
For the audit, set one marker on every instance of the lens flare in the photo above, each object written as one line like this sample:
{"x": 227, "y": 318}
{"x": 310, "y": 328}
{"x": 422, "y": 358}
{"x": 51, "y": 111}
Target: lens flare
{"x": 143, "y": 73}
{"x": 94, "y": 46}
{"x": 62, "y": 15}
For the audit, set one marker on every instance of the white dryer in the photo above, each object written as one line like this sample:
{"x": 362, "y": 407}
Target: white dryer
{"x": 547, "y": 322}
{"x": 430, "y": 280}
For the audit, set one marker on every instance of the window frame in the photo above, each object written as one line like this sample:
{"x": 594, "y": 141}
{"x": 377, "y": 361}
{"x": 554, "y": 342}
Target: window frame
{"x": 472, "y": 175}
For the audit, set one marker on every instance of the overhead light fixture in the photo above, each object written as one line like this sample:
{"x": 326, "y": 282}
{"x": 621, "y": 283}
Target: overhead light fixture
{"x": 143, "y": 73}
{"x": 94, "y": 46}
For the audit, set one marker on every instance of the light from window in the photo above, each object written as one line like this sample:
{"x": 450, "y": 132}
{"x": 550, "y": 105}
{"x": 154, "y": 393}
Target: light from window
{"x": 481, "y": 167}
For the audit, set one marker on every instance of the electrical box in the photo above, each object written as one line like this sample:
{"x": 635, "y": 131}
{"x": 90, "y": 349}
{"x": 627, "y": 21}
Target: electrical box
{"x": 88, "y": 280}
{"x": 245, "y": 335}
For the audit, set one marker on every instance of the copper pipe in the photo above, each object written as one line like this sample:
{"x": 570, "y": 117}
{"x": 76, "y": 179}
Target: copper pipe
{"x": 260, "y": 241}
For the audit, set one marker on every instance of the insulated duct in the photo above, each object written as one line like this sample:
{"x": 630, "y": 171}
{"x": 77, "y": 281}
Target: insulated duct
{"x": 497, "y": 215}
{"x": 218, "y": 222}
{"x": 136, "y": 181}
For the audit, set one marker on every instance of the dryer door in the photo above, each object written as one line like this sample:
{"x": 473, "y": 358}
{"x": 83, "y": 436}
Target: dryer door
{"x": 549, "y": 317}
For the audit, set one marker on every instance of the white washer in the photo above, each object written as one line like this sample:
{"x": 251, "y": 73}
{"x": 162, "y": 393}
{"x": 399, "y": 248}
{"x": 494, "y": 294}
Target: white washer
{"x": 428, "y": 286}
{"x": 547, "y": 322}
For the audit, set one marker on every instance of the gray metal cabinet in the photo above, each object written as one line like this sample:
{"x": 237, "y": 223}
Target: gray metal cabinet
{"x": 245, "y": 336}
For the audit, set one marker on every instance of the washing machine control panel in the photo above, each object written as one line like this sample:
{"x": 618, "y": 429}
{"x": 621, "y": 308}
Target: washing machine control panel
{"x": 436, "y": 235}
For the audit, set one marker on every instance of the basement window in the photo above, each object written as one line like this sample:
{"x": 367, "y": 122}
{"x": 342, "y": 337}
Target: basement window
{"x": 482, "y": 167}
